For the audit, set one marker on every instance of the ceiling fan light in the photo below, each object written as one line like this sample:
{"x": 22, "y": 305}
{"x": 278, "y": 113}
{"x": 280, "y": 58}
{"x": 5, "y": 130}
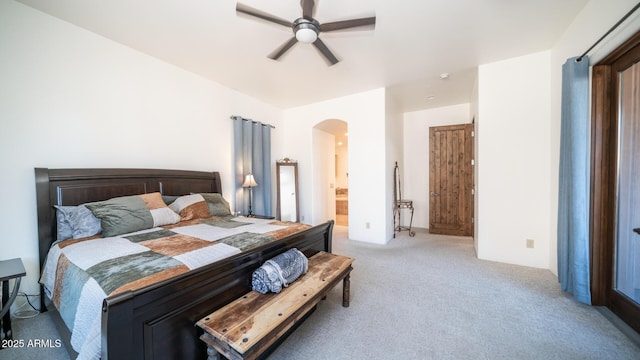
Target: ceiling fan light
{"x": 306, "y": 35}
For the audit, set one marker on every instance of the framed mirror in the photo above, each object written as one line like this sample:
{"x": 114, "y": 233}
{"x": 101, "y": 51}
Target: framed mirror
{"x": 287, "y": 189}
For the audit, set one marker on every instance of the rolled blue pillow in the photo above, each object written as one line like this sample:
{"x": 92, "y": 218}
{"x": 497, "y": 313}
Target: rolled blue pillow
{"x": 279, "y": 271}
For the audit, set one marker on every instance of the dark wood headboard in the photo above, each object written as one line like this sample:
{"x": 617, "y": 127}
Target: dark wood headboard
{"x": 79, "y": 186}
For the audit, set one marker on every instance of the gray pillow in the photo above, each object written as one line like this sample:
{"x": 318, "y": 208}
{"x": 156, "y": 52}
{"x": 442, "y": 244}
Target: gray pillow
{"x": 63, "y": 228}
{"x": 122, "y": 215}
{"x": 76, "y": 222}
{"x": 217, "y": 205}
{"x": 168, "y": 199}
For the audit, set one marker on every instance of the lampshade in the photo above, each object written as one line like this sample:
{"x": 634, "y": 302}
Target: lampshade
{"x": 306, "y": 35}
{"x": 249, "y": 181}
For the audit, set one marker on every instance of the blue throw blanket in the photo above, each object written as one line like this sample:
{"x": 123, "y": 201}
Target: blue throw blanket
{"x": 279, "y": 271}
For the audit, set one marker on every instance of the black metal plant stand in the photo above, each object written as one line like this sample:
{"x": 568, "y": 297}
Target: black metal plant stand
{"x": 399, "y": 205}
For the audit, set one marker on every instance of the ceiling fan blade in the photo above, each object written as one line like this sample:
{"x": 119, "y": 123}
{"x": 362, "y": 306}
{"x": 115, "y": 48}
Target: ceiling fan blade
{"x": 324, "y": 50}
{"x": 247, "y": 10}
{"x": 307, "y": 8}
{"x": 369, "y": 22}
{"x": 277, "y": 53}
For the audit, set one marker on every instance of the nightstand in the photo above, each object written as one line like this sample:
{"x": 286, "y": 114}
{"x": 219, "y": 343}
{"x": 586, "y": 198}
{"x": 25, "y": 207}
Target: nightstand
{"x": 9, "y": 269}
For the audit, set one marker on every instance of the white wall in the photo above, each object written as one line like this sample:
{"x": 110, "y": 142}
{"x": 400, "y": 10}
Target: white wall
{"x": 514, "y": 144}
{"x": 505, "y": 105}
{"x": 394, "y": 130}
{"x": 70, "y": 98}
{"x": 415, "y": 175}
{"x": 591, "y": 23}
{"x": 365, "y": 115}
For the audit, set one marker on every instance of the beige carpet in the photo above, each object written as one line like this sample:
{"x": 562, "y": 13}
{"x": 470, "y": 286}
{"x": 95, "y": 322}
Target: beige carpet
{"x": 428, "y": 297}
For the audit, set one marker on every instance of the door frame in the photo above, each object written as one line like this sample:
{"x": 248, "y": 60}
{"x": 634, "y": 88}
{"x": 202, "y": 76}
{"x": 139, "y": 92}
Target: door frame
{"x": 604, "y": 143}
{"x": 467, "y": 181}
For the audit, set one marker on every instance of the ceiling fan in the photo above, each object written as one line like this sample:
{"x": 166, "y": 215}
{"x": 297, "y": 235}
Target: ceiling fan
{"x": 306, "y": 29}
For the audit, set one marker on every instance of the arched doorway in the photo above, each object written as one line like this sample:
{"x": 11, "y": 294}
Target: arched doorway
{"x": 331, "y": 150}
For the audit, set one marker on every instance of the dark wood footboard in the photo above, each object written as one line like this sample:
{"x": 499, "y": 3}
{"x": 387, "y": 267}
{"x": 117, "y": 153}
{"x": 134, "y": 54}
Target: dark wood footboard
{"x": 159, "y": 322}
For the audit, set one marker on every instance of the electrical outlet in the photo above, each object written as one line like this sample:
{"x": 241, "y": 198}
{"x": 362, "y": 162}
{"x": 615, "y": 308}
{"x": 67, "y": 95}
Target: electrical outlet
{"x": 367, "y": 225}
{"x": 529, "y": 243}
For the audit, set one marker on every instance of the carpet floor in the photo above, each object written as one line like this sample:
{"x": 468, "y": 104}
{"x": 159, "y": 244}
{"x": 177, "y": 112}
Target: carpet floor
{"x": 428, "y": 297}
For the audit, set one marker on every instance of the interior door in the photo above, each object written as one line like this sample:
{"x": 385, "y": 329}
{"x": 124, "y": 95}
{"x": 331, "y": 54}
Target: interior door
{"x": 451, "y": 180}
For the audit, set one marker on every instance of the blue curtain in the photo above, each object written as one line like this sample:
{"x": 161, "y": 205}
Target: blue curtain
{"x": 574, "y": 178}
{"x": 252, "y": 155}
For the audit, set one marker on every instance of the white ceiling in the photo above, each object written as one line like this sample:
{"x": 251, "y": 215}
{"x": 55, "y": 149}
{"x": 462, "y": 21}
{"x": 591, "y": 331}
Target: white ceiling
{"x": 414, "y": 42}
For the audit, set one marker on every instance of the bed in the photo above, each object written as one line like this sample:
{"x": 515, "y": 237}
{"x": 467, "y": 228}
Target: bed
{"x": 157, "y": 321}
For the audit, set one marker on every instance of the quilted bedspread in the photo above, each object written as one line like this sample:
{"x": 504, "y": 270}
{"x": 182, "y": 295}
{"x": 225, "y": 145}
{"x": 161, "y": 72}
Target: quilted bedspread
{"x": 80, "y": 273}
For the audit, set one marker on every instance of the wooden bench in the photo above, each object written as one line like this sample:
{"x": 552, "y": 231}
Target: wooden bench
{"x": 250, "y": 325}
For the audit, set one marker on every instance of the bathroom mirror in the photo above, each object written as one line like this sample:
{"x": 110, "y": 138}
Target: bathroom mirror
{"x": 287, "y": 185}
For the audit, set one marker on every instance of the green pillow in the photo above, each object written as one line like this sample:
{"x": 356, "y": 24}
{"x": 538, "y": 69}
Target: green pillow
{"x": 217, "y": 205}
{"x": 122, "y": 215}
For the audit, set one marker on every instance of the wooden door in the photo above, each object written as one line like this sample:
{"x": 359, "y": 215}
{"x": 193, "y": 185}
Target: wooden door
{"x": 615, "y": 218}
{"x": 451, "y": 180}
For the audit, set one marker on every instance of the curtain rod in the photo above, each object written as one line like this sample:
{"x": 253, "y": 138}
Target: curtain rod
{"x": 610, "y": 30}
{"x": 233, "y": 117}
